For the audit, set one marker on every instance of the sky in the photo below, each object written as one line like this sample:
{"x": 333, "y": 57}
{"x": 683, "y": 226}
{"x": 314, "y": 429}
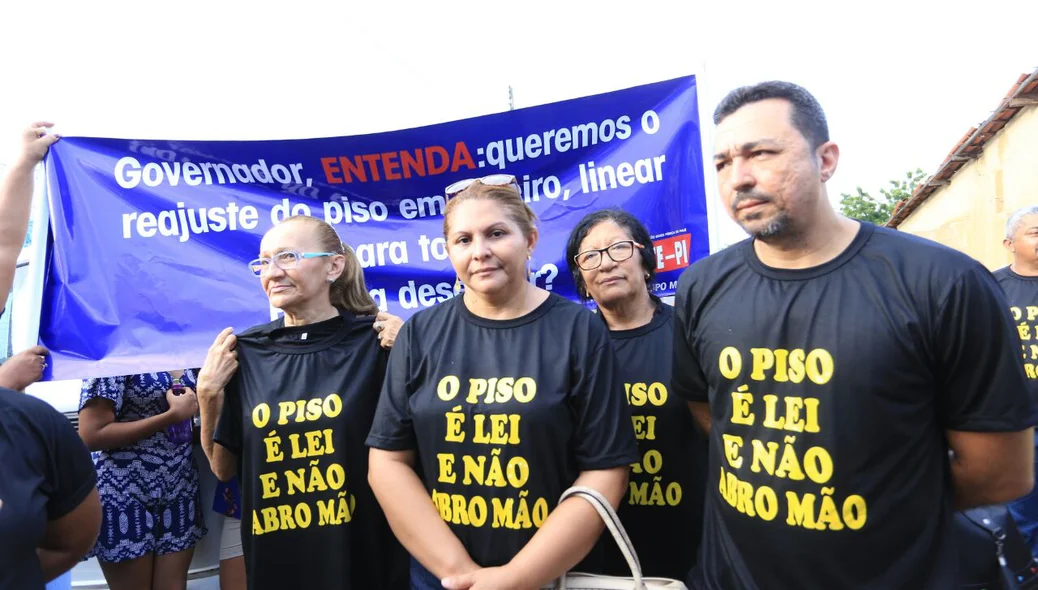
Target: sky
{"x": 900, "y": 81}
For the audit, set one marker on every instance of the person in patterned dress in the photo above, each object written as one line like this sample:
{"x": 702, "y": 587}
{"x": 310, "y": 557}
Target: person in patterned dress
{"x": 152, "y": 517}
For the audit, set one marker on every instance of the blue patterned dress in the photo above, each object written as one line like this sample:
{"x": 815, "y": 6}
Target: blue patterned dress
{"x": 149, "y": 490}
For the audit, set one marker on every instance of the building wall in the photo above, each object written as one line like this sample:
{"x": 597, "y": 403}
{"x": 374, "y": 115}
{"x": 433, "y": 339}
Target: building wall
{"x": 970, "y": 212}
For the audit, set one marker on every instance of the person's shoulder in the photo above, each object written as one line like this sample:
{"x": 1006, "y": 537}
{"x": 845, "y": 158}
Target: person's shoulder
{"x": 16, "y": 401}
{"x": 1002, "y": 274}
{"x": 892, "y": 242}
{"x": 711, "y": 269}
{"x": 436, "y": 315}
{"x": 567, "y": 316}
{"x": 561, "y": 305}
{"x": 360, "y": 326}
{"x": 28, "y": 408}
{"x": 929, "y": 270}
{"x": 562, "y": 309}
{"x": 429, "y": 320}
{"x": 916, "y": 254}
{"x": 260, "y": 330}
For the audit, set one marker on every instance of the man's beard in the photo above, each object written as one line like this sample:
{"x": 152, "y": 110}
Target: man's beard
{"x": 776, "y": 228}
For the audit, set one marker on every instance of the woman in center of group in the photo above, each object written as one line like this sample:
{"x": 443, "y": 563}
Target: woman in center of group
{"x": 494, "y": 403}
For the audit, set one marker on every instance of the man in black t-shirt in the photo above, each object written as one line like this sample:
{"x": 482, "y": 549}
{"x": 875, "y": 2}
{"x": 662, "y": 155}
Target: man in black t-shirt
{"x": 1019, "y": 282}
{"x": 835, "y": 364}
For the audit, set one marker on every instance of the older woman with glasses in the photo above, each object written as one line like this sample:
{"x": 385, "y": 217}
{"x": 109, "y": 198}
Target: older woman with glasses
{"x": 613, "y": 262}
{"x": 495, "y": 402}
{"x": 286, "y": 407}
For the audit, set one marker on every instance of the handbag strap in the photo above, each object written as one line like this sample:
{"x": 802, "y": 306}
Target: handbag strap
{"x": 992, "y": 527}
{"x": 612, "y": 522}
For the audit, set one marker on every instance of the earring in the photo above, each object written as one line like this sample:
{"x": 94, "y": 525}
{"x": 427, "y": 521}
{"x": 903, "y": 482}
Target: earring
{"x": 330, "y": 280}
{"x": 529, "y": 269}
{"x": 457, "y": 285}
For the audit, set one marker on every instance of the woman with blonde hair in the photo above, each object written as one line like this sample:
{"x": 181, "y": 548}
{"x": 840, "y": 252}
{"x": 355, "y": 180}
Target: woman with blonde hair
{"x": 495, "y": 402}
{"x": 286, "y": 407}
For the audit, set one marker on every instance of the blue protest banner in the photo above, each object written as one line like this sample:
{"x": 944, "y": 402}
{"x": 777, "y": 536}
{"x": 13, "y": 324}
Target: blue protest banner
{"x": 150, "y": 239}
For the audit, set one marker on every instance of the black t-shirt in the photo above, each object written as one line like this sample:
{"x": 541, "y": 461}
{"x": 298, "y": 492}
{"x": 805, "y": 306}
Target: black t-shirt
{"x": 296, "y": 413}
{"x": 1022, "y": 294}
{"x": 504, "y": 415}
{"x": 45, "y": 473}
{"x": 663, "y": 510}
{"x": 830, "y": 391}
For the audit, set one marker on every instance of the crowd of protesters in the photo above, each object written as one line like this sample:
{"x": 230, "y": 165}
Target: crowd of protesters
{"x": 827, "y": 395}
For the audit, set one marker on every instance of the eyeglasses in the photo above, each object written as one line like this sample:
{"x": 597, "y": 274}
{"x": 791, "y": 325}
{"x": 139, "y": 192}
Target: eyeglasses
{"x": 286, "y": 260}
{"x": 618, "y": 252}
{"x": 491, "y": 180}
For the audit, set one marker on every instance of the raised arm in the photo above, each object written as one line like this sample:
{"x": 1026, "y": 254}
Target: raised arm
{"x": 16, "y": 200}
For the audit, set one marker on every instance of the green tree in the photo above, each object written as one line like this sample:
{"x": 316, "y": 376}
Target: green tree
{"x": 878, "y": 210}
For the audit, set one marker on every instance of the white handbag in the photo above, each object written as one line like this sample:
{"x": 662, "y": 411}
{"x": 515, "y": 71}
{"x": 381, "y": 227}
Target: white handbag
{"x": 581, "y": 581}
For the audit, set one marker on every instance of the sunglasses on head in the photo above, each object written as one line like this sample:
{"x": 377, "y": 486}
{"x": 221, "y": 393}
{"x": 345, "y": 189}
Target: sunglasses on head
{"x": 491, "y": 180}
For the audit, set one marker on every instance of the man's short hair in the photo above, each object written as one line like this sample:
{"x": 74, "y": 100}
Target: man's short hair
{"x": 1014, "y": 221}
{"x": 808, "y": 116}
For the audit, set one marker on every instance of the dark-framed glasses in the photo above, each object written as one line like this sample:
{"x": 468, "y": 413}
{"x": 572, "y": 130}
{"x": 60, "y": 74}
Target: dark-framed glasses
{"x": 285, "y": 260}
{"x": 618, "y": 252}
{"x": 489, "y": 180}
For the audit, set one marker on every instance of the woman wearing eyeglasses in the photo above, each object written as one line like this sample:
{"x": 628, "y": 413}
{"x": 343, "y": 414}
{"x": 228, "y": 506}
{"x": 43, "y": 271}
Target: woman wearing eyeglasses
{"x": 295, "y": 400}
{"x": 494, "y": 403}
{"x": 613, "y": 262}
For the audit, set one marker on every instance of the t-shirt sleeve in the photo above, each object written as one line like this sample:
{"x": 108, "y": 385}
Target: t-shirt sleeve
{"x": 70, "y": 474}
{"x": 604, "y": 434}
{"x": 109, "y": 388}
{"x": 383, "y": 366}
{"x": 393, "y": 427}
{"x": 228, "y": 432}
{"x": 688, "y": 379}
{"x": 982, "y": 384}
{"x": 190, "y": 378}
